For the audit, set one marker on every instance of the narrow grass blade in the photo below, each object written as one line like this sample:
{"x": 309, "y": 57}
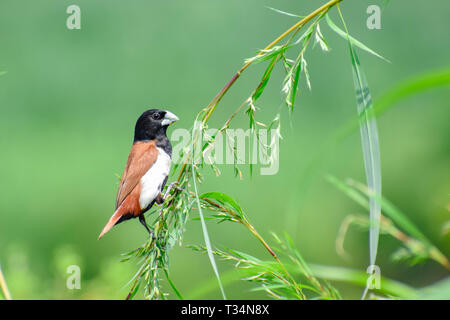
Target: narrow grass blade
{"x": 264, "y": 55}
{"x": 172, "y": 285}
{"x": 353, "y": 41}
{"x": 285, "y": 13}
{"x": 265, "y": 79}
{"x": 223, "y": 199}
{"x": 207, "y": 240}
{"x": 298, "y": 69}
{"x": 133, "y": 292}
{"x": 385, "y": 4}
{"x": 370, "y": 146}
{"x": 206, "y": 235}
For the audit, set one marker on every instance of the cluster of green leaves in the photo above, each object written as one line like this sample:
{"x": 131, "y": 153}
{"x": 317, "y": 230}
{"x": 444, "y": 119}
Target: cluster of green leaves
{"x": 293, "y": 68}
{"x": 153, "y": 256}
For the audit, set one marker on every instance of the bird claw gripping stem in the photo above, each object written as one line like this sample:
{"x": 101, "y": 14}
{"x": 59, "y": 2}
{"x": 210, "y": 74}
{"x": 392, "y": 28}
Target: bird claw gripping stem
{"x": 169, "y": 188}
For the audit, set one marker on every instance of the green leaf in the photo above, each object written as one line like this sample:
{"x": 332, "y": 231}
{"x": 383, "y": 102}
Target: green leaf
{"x": 205, "y": 230}
{"x": 264, "y": 55}
{"x": 294, "y": 89}
{"x": 293, "y": 249}
{"x": 223, "y": 199}
{"x": 135, "y": 290}
{"x": 265, "y": 79}
{"x": 370, "y": 146}
{"x": 285, "y": 13}
{"x": 353, "y": 41}
{"x": 172, "y": 285}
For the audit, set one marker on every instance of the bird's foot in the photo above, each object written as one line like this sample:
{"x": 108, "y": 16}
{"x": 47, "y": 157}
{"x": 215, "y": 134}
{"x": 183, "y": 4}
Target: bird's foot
{"x": 169, "y": 188}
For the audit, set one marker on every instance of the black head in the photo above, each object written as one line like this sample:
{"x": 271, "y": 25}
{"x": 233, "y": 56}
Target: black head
{"x": 152, "y": 124}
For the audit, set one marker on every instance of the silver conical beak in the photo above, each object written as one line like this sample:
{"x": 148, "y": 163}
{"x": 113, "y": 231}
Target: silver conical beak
{"x": 169, "y": 118}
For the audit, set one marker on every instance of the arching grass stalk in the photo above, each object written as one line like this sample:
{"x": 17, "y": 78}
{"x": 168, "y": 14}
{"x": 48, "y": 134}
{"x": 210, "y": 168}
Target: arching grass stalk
{"x": 204, "y": 229}
{"x": 215, "y": 101}
{"x": 209, "y": 109}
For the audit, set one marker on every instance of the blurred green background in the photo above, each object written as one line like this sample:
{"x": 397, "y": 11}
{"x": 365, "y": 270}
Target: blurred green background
{"x": 70, "y": 98}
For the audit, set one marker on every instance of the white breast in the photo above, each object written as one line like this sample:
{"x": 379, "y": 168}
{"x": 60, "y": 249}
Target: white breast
{"x": 153, "y": 179}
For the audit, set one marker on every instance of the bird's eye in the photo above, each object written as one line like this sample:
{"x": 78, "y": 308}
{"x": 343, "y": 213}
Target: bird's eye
{"x": 156, "y": 116}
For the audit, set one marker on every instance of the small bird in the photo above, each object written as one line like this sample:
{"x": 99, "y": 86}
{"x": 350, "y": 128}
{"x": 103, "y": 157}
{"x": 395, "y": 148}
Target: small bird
{"x": 147, "y": 169}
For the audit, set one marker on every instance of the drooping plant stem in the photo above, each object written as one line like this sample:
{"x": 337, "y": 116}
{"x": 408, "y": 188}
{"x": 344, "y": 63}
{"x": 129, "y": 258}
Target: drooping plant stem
{"x": 209, "y": 109}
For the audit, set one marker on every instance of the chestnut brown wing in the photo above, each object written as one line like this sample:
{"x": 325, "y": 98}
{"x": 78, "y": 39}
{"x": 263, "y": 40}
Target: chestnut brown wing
{"x": 142, "y": 156}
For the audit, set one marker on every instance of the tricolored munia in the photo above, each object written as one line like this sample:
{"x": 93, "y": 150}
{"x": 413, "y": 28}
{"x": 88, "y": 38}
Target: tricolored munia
{"x": 147, "y": 169}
